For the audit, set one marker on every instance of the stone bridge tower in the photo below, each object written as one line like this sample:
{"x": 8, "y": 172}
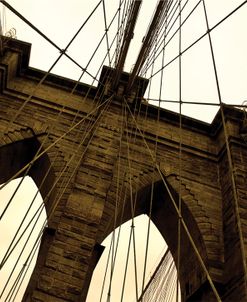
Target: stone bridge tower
{"x": 92, "y": 154}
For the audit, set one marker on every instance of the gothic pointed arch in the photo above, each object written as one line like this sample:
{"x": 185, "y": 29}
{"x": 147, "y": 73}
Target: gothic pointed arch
{"x": 165, "y": 218}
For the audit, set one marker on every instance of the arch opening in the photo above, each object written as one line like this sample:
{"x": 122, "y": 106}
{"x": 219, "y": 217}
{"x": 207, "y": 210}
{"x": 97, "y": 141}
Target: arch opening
{"x": 21, "y": 227}
{"x": 164, "y": 217}
{"x": 23, "y": 213}
{"x": 101, "y": 288}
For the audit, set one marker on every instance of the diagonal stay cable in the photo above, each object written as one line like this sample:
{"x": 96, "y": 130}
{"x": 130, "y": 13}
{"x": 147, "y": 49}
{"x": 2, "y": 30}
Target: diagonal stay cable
{"x": 203, "y": 35}
{"x": 12, "y": 197}
{"x": 176, "y": 209}
{"x": 106, "y": 270}
{"x": 62, "y": 52}
{"x": 131, "y": 235}
{"x": 117, "y": 241}
{"x": 133, "y": 134}
{"x": 101, "y": 40}
{"x": 126, "y": 265}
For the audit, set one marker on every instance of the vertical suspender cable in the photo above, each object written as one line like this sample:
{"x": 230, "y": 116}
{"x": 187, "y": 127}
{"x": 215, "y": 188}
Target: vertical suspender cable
{"x": 229, "y": 157}
{"x": 155, "y": 151}
{"x": 180, "y": 153}
{"x": 106, "y": 32}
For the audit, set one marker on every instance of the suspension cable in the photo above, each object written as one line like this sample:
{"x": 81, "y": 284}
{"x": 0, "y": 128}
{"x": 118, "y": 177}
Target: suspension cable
{"x": 173, "y": 24}
{"x": 20, "y": 254}
{"x": 26, "y": 267}
{"x": 106, "y": 270}
{"x": 169, "y": 28}
{"x": 202, "y": 36}
{"x": 152, "y": 185}
{"x": 22, "y": 273}
{"x": 153, "y": 52}
{"x": 229, "y": 157}
{"x": 106, "y": 31}
{"x": 118, "y": 31}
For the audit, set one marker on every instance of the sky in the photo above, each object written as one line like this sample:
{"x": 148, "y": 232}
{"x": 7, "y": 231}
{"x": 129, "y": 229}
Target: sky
{"x": 60, "y": 19}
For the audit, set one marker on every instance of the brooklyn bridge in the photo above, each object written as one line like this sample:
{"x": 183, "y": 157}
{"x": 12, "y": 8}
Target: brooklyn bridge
{"x": 104, "y": 153}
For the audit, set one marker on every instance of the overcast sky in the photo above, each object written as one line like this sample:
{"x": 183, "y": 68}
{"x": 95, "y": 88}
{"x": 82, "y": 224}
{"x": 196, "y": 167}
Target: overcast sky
{"x": 60, "y": 19}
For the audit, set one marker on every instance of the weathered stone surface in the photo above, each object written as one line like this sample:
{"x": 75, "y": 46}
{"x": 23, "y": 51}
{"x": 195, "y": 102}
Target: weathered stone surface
{"x": 88, "y": 174}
